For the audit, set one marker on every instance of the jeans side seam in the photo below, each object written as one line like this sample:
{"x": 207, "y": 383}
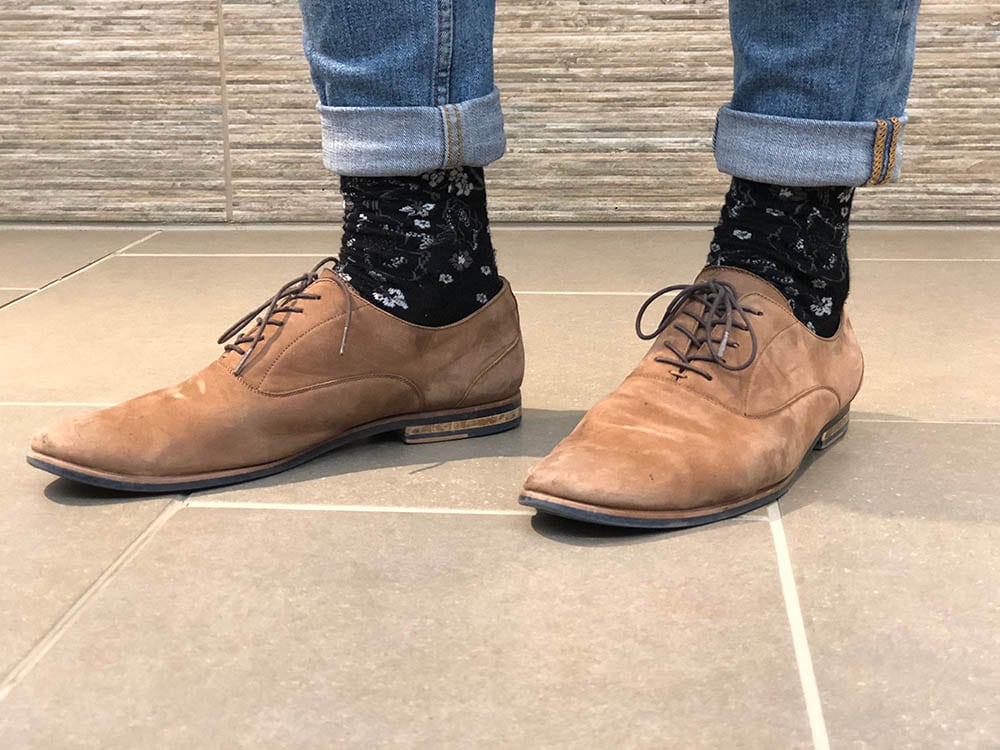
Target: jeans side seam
{"x": 445, "y": 44}
{"x": 878, "y": 152}
{"x": 893, "y": 142}
{"x": 458, "y": 137}
{"x": 887, "y": 134}
{"x": 449, "y": 138}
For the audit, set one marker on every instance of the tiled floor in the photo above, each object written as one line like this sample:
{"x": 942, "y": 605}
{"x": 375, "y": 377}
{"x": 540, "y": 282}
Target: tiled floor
{"x": 397, "y": 596}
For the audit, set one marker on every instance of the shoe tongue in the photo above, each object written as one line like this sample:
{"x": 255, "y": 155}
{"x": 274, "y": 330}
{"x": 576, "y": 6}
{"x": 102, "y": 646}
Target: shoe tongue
{"x": 744, "y": 282}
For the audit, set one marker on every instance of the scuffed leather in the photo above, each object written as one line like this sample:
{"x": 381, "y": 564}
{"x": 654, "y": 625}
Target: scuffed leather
{"x": 662, "y": 443}
{"x": 297, "y": 391}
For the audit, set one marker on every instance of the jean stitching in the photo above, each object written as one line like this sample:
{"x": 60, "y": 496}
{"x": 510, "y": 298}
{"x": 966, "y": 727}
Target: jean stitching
{"x": 891, "y": 166}
{"x": 458, "y": 136}
{"x": 445, "y": 42}
{"x": 878, "y": 152}
{"x": 449, "y": 138}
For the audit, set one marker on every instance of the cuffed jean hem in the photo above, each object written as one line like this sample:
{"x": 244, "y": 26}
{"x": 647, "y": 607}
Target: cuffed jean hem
{"x": 391, "y": 141}
{"x": 808, "y": 153}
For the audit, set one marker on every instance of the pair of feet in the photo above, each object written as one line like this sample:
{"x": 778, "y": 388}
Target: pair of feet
{"x": 716, "y": 419}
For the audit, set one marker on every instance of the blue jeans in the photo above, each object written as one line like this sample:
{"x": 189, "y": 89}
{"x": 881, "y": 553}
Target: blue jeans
{"x": 820, "y": 87}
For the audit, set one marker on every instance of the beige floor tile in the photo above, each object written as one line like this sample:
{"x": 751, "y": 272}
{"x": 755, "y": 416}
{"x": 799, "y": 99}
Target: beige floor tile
{"x": 157, "y": 319}
{"x": 215, "y": 240}
{"x": 34, "y": 257}
{"x": 129, "y": 325}
{"x": 481, "y": 473}
{"x": 950, "y": 242}
{"x": 895, "y": 540}
{"x": 303, "y": 629}
{"x": 56, "y": 538}
{"x": 600, "y": 259}
{"x": 918, "y": 363}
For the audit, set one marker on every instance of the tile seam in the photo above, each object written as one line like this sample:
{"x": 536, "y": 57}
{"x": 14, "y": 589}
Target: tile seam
{"x": 55, "y": 633}
{"x": 319, "y": 254}
{"x": 610, "y": 226}
{"x": 402, "y": 509}
{"x": 926, "y": 260}
{"x": 82, "y": 269}
{"x": 800, "y": 642}
{"x": 860, "y": 420}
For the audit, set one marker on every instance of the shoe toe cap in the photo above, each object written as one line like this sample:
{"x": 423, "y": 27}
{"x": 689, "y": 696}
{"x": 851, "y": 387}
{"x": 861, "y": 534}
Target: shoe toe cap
{"x": 67, "y": 441}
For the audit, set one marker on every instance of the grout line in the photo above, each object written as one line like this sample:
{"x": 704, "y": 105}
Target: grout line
{"x": 223, "y": 505}
{"x": 586, "y": 294}
{"x": 807, "y": 675}
{"x": 132, "y": 244}
{"x": 56, "y": 632}
{"x": 984, "y": 423}
{"x": 611, "y": 226}
{"x": 319, "y": 254}
{"x": 54, "y": 403}
{"x": 866, "y": 420}
{"x": 929, "y": 260}
{"x": 18, "y": 288}
{"x": 225, "y": 255}
{"x": 227, "y": 163}
{"x": 81, "y": 269}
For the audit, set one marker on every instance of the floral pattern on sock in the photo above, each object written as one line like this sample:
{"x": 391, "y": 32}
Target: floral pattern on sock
{"x": 793, "y": 237}
{"x": 420, "y": 246}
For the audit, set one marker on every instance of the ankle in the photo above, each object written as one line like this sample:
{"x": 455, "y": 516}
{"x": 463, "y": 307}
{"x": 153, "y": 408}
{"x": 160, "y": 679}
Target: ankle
{"x": 796, "y": 239}
{"x": 419, "y": 247}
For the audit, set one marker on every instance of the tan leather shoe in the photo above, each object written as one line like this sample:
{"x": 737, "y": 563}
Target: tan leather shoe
{"x": 320, "y": 368}
{"x": 716, "y": 420}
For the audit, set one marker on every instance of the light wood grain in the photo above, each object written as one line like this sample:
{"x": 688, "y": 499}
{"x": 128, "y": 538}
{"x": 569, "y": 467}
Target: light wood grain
{"x": 114, "y": 112}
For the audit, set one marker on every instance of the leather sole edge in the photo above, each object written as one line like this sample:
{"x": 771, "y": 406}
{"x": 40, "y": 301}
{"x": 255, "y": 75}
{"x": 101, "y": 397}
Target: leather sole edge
{"x": 574, "y": 510}
{"x": 437, "y": 426}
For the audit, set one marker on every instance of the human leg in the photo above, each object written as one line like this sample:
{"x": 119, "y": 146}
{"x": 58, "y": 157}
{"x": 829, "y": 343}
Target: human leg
{"x": 817, "y": 109}
{"x": 402, "y": 90}
{"x": 410, "y": 115}
{"x": 737, "y": 388}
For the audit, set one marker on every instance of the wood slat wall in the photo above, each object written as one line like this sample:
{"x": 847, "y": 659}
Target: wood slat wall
{"x": 117, "y": 112}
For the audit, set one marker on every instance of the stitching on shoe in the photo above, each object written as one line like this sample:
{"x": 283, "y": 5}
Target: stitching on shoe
{"x": 340, "y": 381}
{"x": 294, "y": 341}
{"x": 712, "y": 400}
{"x": 496, "y": 360}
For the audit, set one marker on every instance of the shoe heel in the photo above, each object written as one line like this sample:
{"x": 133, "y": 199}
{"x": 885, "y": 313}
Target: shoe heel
{"x": 464, "y": 423}
{"x": 834, "y": 431}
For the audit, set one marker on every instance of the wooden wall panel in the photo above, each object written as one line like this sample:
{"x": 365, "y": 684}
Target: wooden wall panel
{"x": 110, "y": 111}
{"x": 114, "y": 112}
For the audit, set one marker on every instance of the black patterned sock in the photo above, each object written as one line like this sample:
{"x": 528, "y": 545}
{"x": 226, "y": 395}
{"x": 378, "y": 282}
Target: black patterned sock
{"x": 793, "y": 237}
{"x": 419, "y": 247}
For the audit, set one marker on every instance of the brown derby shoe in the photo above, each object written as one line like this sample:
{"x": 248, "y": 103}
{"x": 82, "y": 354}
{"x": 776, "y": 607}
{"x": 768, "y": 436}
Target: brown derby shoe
{"x": 717, "y": 419}
{"x": 321, "y": 367}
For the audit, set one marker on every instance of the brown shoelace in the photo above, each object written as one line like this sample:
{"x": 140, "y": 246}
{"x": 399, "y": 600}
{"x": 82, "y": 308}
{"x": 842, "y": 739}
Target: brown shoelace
{"x": 721, "y": 307}
{"x": 282, "y": 302}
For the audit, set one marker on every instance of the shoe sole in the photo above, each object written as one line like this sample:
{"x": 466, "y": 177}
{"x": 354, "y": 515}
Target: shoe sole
{"x": 577, "y": 511}
{"x": 431, "y": 427}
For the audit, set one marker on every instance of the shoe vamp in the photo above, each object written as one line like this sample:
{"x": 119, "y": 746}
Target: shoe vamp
{"x": 652, "y": 446}
{"x": 213, "y": 422}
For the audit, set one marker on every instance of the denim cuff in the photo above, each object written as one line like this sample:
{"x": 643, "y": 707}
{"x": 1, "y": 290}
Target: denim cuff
{"x": 392, "y": 141}
{"x": 808, "y": 153}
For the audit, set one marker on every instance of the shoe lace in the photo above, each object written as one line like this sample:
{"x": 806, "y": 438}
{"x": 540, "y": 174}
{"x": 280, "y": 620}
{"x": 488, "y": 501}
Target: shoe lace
{"x": 283, "y": 301}
{"x": 721, "y": 307}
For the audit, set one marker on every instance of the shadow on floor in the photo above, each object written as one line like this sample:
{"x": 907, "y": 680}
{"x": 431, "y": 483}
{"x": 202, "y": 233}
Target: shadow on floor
{"x": 540, "y": 430}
